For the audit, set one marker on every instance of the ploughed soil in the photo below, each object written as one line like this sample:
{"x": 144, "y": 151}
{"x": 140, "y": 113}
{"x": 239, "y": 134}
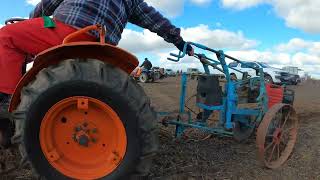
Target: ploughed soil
{"x": 199, "y": 156}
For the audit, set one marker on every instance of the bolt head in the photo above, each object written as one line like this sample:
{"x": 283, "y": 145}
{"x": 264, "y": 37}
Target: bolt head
{"x": 84, "y": 141}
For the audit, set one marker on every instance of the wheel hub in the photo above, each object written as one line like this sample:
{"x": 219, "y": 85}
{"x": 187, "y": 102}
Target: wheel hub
{"x": 85, "y": 134}
{"x": 83, "y": 138}
{"x": 277, "y": 135}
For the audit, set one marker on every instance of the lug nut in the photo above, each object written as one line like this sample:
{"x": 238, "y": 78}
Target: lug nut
{"x": 84, "y": 140}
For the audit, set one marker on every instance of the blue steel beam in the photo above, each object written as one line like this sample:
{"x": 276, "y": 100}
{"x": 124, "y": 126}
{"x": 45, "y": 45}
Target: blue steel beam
{"x": 218, "y": 131}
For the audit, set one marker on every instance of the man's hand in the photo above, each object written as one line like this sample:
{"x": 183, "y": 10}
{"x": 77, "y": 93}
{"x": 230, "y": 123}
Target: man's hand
{"x": 189, "y": 51}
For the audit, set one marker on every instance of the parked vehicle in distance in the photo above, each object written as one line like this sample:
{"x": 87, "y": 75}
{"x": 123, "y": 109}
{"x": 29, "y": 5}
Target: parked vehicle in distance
{"x": 296, "y": 71}
{"x": 303, "y": 75}
{"x": 297, "y": 79}
{"x": 272, "y": 75}
{"x": 159, "y": 72}
{"x": 298, "y": 74}
{"x": 290, "y": 79}
{"x": 193, "y": 71}
{"x": 144, "y": 75}
{"x": 291, "y": 69}
{"x": 156, "y": 69}
{"x": 170, "y": 72}
{"x": 162, "y": 73}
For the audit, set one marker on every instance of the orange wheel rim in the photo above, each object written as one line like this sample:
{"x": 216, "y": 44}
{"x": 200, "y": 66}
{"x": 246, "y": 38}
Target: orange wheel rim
{"x": 83, "y": 138}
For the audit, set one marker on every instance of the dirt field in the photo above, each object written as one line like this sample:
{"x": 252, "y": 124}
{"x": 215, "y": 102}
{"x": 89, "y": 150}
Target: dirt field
{"x": 223, "y": 158}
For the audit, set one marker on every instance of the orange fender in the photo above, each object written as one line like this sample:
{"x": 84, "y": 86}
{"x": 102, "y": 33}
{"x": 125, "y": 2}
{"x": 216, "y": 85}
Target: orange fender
{"x": 136, "y": 72}
{"x": 88, "y": 50}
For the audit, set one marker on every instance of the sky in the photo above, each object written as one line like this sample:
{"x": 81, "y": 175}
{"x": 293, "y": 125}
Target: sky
{"x": 278, "y": 32}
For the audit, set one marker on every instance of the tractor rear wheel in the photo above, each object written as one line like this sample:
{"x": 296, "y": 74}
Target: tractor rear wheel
{"x": 85, "y": 119}
{"x": 6, "y": 131}
{"x": 143, "y": 77}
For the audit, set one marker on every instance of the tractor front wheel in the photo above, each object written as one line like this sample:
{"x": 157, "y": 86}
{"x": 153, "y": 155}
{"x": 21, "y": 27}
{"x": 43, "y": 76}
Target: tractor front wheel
{"x": 85, "y": 119}
{"x": 143, "y": 77}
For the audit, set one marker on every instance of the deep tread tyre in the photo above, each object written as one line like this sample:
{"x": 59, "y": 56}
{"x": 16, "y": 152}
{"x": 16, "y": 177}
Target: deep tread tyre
{"x": 143, "y": 78}
{"x": 6, "y": 126}
{"x": 91, "y": 78}
{"x": 6, "y": 132}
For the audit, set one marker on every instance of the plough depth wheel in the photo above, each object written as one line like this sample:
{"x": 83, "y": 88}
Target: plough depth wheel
{"x": 277, "y": 135}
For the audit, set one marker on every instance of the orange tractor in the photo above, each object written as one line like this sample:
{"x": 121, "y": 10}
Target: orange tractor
{"x": 77, "y": 114}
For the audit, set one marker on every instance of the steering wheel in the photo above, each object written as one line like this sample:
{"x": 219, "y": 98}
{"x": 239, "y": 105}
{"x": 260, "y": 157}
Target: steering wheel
{"x": 14, "y": 20}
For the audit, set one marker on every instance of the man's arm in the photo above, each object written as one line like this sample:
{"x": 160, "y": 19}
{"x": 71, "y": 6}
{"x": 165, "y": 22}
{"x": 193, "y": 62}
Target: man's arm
{"x": 147, "y": 17}
{"x": 144, "y": 63}
{"x": 45, "y": 7}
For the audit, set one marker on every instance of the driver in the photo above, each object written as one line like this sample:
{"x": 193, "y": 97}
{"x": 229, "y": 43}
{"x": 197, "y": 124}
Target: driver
{"x": 32, "y": 36}
{"x": 146, "y": 64}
